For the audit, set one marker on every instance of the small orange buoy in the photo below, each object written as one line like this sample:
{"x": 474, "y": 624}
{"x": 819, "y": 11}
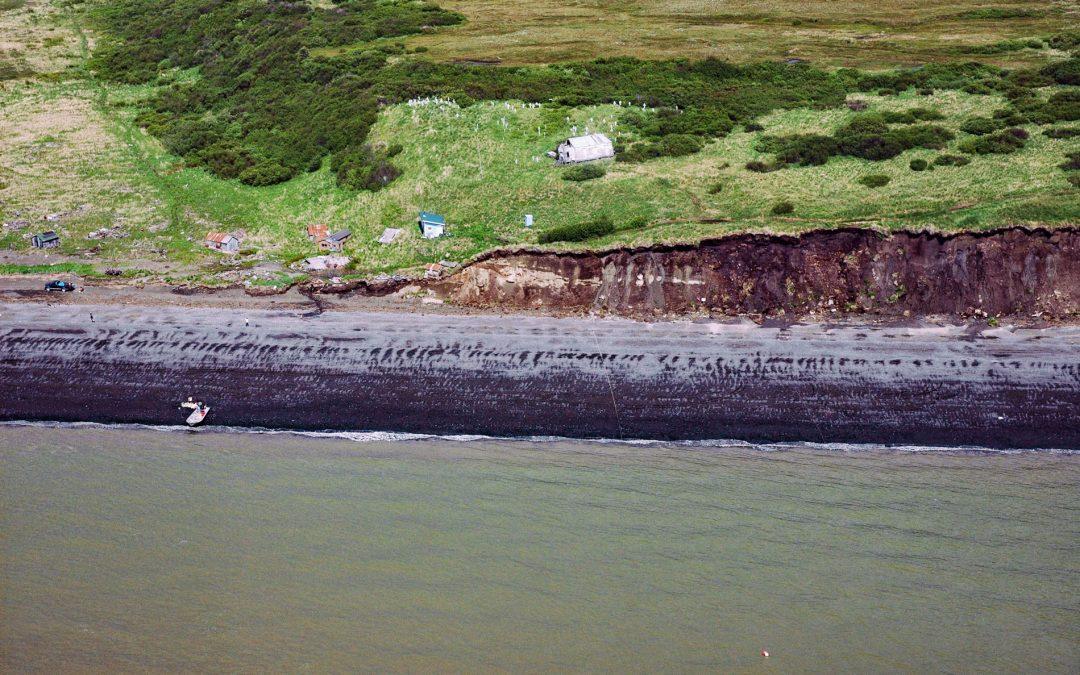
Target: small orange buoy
{"x": 765, "y": 653}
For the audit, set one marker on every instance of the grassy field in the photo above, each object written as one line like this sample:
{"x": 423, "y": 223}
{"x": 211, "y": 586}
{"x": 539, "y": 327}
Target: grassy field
{"x": 69, "y": 147}
{"x": 849, "y": 33}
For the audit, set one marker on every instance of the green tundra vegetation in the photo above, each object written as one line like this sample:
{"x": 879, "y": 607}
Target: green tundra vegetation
{"x": 265, "y": 116}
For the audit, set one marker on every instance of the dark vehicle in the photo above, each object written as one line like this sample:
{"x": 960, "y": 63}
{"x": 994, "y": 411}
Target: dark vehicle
{"x": 62, "y": 286}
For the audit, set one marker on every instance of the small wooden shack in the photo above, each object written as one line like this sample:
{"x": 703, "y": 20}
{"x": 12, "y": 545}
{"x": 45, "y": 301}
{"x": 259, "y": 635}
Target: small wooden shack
{"x": 432, "y": 225}
{"x": 335, "y": 241}
{"x": 48, "y": 239}
{"x": 222, "y": 241}
{"x": 317, "y": 231}
{"x": 584, "y": 149}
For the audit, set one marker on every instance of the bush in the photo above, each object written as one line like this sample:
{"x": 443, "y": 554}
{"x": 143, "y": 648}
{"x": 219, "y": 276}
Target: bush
{"x": 926, "y": 91}
{"x": 980, "y": 126}
{"x": 716, "y": 188}
{"x": 754, "y": 126}
{"x": 783, "y": 208}
{"x": 1062, "y": 132}
{"x": 805, "y": 150}
{"x": 911, "y": 116}
{"x": 918, "y": 165}
{"x": 1072, "y": 163}
{"x": 1074, "y": 179}
{"x": 264, "y": 173}
{"x": 578, "y": 231}
{"x": 363, "y": 168}
{"x": 226, "y": 159}
{"x": 874, "y": 180}
{"x": 758, "y": 166}
{"x": 1064, "y": 72}
{"x": 951, "y": 160}
{"x": 678, "y": 145}
{"x": 672, "y": 145}
{"x": 1001, "y": 143}
{"x": 584, "y": 172}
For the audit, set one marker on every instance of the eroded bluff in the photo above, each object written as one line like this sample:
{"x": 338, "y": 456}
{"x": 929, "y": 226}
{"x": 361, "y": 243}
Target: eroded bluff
{"x": 1013, "y": 271}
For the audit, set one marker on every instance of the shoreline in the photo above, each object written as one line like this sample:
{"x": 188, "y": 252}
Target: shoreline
{"x": 362, "y": 437}
{"x": 538, "y": 376}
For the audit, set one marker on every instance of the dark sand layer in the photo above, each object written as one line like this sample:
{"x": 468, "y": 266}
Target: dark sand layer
{"x": 536, "y": 376}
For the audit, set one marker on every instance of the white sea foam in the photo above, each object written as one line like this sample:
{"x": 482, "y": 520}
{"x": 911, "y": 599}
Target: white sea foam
{"x": 405, "y": 437}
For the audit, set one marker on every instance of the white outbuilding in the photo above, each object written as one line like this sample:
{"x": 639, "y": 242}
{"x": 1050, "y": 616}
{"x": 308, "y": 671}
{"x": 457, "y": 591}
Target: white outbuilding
{"x": 585, "y": 149}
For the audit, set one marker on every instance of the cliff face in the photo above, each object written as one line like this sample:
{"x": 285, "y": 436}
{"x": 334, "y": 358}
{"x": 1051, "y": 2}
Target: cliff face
{"x": 1003, "y": 272}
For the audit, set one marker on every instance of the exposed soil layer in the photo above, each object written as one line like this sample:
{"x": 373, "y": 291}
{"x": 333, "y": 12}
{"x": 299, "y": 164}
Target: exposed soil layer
{"x": 1009, "y": 272}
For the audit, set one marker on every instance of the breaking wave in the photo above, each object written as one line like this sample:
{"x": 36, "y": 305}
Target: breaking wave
{"x": 407, "y": 437}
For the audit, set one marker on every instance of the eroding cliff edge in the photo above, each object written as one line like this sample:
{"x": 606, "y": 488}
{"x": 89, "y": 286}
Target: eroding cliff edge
{"x": 1009, "y": 272}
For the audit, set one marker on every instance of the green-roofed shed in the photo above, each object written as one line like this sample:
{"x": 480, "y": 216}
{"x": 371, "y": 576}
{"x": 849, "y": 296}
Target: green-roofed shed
{"x": 432, "y": 225}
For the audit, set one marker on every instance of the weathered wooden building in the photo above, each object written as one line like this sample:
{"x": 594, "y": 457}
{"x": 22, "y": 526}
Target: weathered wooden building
{"x": 584, "y": 149}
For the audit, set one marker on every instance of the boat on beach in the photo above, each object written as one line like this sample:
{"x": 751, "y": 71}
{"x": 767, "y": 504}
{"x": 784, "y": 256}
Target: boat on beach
{"x": 199, "y": 411}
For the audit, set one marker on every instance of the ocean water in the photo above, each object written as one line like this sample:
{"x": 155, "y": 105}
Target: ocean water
{"x": 137, "y": 550}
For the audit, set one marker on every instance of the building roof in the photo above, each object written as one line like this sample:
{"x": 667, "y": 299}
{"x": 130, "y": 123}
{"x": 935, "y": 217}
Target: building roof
{"x": 340, "y": 235}
{"x": 433, "y": 218}
{"x": 219, "y": 237}
{"x": 317, "y": 230}
{"x": 48, "y": 236}
{"x": 590, "y": 141}
{"x": 389, "y": 235}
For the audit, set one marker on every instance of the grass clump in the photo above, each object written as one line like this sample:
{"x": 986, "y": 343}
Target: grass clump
{"x": 582, "y": 231}
{"x": 875, "y": 180}
{"x": 584, "y": 172}
{"x": 783, "y": 208}
{"x": 918, "y": 165}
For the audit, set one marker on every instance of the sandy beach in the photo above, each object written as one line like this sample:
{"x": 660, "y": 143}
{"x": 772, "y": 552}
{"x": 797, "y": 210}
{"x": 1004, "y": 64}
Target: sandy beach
{"x": 515, "y": 376}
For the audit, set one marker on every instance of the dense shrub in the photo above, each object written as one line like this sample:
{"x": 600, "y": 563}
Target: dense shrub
{"x": 911, "y": 116}
{"x": 874, "y": 180}
{"x": 758, "y": 166}
{"x": 584, "y": 172}
{"x": 980, "y": 126}
{"x": 783, "y": 208}
{"x": 804, "y": 150}
{"x": 1072, "y": 163}
{"x": 754, "y": 126}
{"x": 281, "y": 110}
{"x": 1062, "y": 132}
{"x": 672, "y": 145}
{"x": 1064, "y": 72}
{"x": 264, "y": 173}
{"x": 918, "y": 165}
{"x": 363, "y": 168}
{"x": 869, "y": 137}
{"x": 951, "y": 160}
{"x": 227, "y": 159}
{"x": 578, "y": 231}
{"x": 1000, "y": 143}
